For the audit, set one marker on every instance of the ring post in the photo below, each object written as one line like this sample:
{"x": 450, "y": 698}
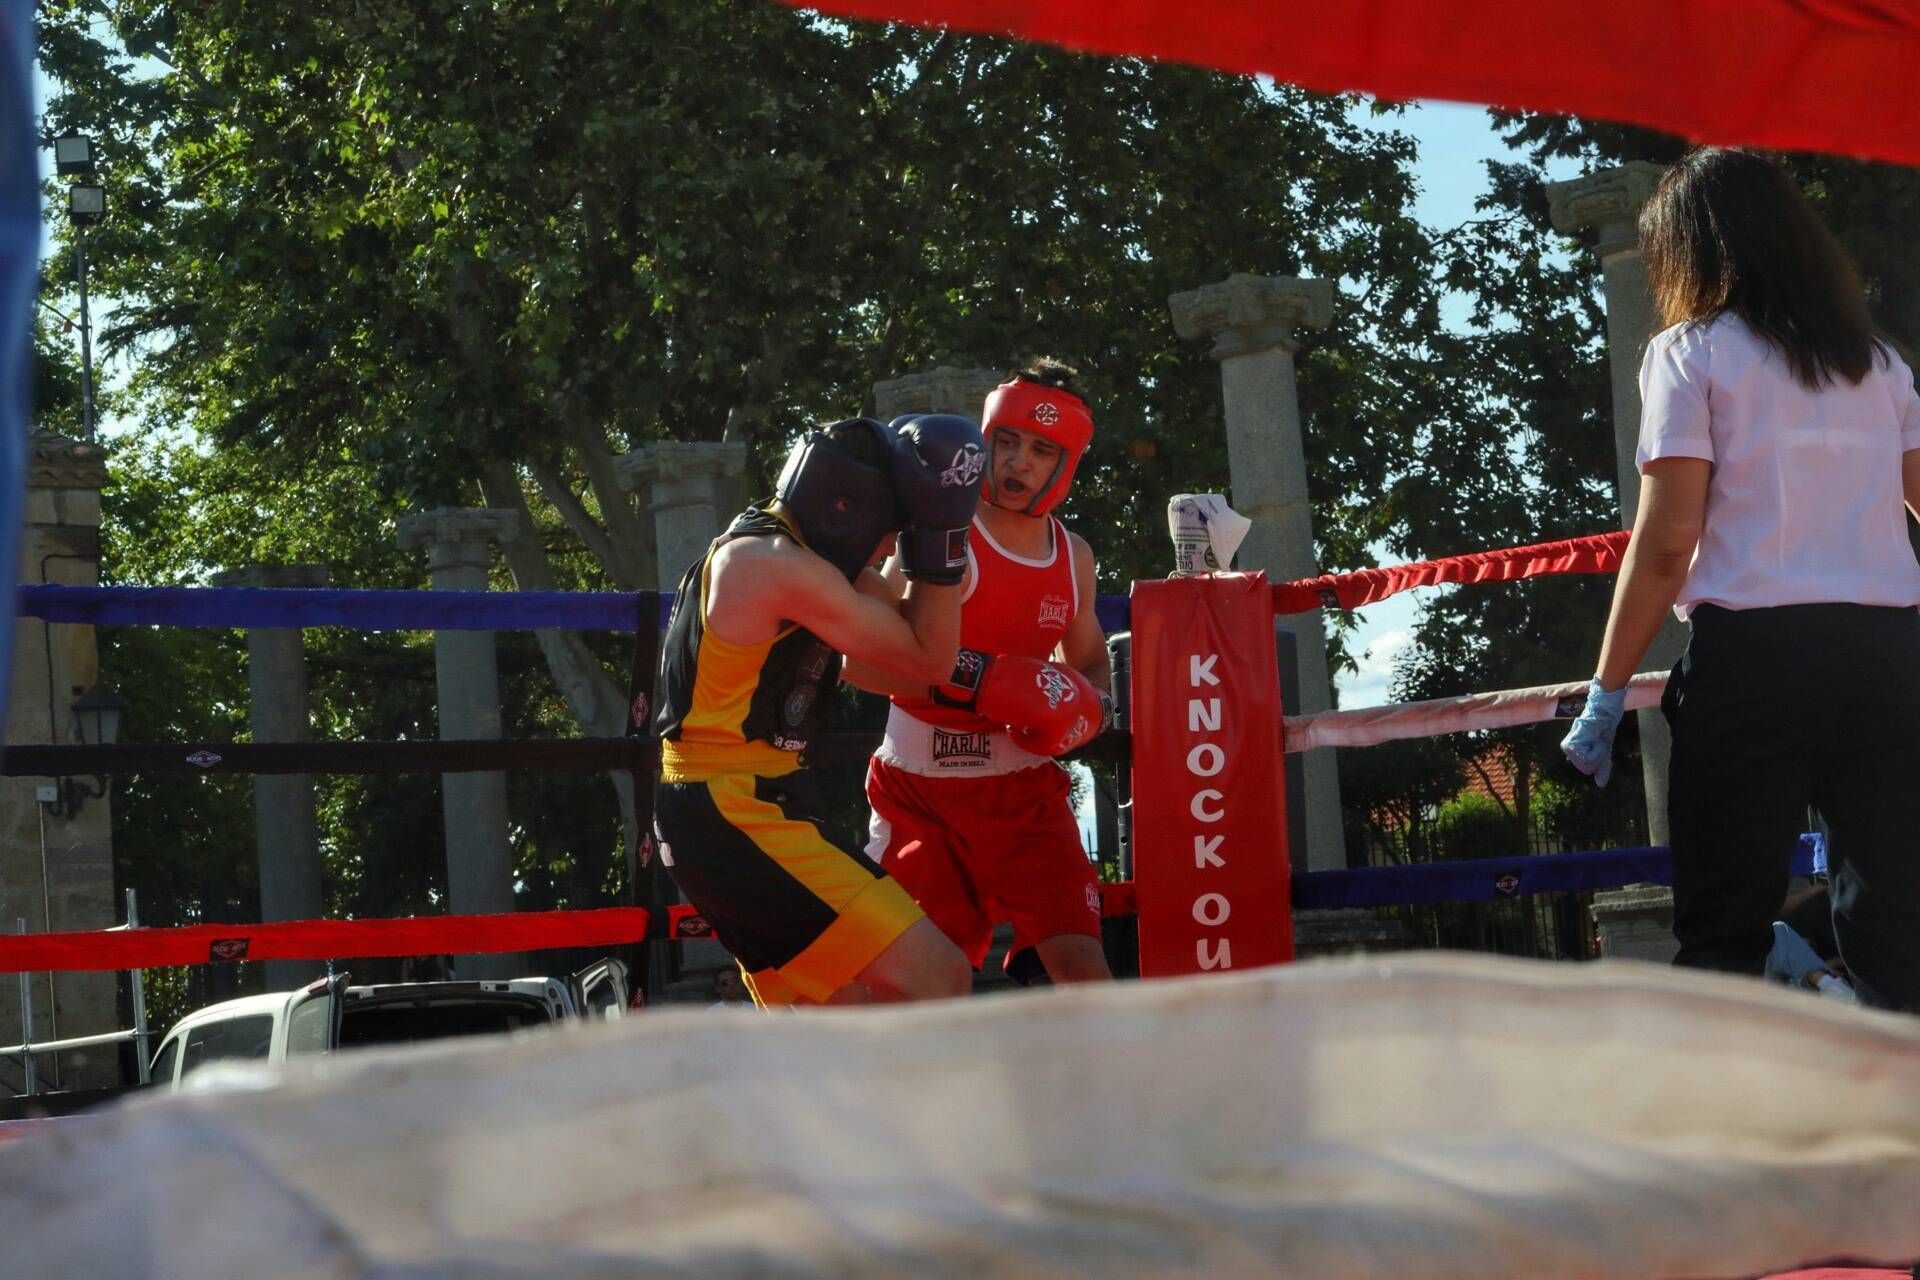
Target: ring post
{"x": 1211, "y": 862}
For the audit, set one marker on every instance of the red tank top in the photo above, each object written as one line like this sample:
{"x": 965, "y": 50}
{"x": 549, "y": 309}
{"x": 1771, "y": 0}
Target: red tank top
{"x": 1014, "y": 605}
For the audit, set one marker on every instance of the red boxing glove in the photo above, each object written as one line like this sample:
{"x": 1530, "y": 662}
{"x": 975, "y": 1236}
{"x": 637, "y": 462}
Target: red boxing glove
{"x": 1049, "y": 709}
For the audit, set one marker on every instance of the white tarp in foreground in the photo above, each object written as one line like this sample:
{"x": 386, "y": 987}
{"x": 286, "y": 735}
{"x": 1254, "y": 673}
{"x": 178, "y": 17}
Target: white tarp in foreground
{"x": 1433, "y": 1117}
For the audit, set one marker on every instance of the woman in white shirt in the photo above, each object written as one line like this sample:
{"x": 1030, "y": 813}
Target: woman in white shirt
{"x": 1779, "y": 452}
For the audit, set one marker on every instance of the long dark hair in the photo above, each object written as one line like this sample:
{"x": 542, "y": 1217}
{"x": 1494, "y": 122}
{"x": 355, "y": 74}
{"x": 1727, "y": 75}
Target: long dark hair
{"x": 1728, "y": 230}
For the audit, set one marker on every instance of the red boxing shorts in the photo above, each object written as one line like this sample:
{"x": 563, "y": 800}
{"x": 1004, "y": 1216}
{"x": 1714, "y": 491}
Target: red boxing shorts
{"x": 974, "y": 851}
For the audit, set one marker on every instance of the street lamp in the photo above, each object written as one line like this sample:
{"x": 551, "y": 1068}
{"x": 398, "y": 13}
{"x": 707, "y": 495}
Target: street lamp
{"x": 72, "y": 153}
{"x": 96, "y": 720}
{"x": 86, "y": 205}
{"x": 96, "y": 715}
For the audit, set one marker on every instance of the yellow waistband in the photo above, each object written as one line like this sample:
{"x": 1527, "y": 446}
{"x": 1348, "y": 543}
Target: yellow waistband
{"x": 699, "y": 761}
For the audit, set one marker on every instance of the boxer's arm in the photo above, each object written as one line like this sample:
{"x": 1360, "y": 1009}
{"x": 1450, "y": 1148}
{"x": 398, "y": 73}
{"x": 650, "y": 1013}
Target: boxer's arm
{"x": 769, "y": 584}
{"x": 1084, "y": 647}
{"x": 863, "y": 675}
{"x": 896, "y": 577}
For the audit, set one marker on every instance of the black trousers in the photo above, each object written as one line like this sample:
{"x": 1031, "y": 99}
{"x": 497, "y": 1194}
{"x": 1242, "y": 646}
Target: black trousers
{"x": 1774, "y": 710}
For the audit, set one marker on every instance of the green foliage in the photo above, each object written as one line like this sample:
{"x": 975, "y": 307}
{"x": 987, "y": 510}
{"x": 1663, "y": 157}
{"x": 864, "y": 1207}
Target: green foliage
{"x": 1870, "y": 206}
{"x": 1475, "y": 825}
{"x": 414, "y": 237}
{"x": 186, "y": 843}
{"x": 57, "y": 401}
{"x": 1535, "y": 461}
{"x": 367, "y": 255}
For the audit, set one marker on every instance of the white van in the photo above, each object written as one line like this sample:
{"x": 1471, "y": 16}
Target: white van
{"x": 327, "y": 1014}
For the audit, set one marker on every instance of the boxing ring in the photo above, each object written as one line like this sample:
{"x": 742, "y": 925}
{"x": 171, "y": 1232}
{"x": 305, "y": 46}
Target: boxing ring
{"x": 1268, "y": 890}
{"x": 1436, "y": 1115}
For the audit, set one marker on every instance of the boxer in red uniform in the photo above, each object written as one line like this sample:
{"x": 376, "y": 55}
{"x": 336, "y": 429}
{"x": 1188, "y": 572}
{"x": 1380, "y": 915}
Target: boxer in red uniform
{"x": 971, "y": 813}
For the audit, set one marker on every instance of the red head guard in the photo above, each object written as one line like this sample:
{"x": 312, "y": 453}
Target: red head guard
{"x": 1048, "y": 412}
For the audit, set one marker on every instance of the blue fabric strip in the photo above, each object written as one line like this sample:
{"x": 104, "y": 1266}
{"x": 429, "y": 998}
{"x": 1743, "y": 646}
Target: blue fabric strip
{"x": 1488, "y": 879}
{"x": 249, "y": 608}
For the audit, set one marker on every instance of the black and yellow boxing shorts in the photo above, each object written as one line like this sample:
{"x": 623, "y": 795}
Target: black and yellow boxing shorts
{"x": 803, "y": 915}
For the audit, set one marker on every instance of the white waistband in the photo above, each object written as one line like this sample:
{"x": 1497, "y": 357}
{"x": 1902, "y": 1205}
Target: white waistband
{"x": 918, "y": 747}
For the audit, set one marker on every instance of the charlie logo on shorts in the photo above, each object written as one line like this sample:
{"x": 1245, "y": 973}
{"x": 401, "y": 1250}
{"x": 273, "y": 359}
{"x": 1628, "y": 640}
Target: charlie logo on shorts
{"x": 968, "y": 462}
{"x": 1093, "y": 899}
{"x": 1053, "y": 611}
{"x": 1055, "y": 685}
{"x": 962, "y": 750}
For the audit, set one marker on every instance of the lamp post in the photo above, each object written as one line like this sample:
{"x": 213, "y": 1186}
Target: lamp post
{"x": 86, "y": 205}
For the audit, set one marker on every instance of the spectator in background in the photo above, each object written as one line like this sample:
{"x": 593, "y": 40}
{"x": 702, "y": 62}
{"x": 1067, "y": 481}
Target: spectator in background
{"x": 730, "y": 989}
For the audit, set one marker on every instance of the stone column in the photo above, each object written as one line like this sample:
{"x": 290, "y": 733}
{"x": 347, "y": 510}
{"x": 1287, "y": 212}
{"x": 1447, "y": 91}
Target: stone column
{"x": 56, "y": 869}
{"x": 683, "y": 483}
{"x": 1252, "y": 320}
{"x": 286, "y": 820}
{"x": 939, "y": 390}
{"x": 459, "y": 545}
{"x": 1636, "y": 923}
{"x": 688, "y": 486}
{"x": 1609, "y": 203}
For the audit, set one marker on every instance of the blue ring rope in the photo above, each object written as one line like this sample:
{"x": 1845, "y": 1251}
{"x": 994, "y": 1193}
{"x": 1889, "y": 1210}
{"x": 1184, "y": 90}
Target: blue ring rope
{"x": 261, "y": 608}
{"x": 1490, "y": 879}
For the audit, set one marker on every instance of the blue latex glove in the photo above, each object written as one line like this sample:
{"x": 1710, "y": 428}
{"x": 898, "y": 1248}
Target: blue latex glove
{"x": 1589, "y": 744}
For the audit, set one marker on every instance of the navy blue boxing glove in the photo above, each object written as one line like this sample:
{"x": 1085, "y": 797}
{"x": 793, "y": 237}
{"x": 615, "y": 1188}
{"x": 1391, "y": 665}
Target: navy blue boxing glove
{"x": 938, "y": 462}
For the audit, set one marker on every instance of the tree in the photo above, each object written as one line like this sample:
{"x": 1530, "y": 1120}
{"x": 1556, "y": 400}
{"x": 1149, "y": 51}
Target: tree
{"x": 1540, "y": 463}
{"x": 186, "y": 843}
{"x": 412, "y": 252}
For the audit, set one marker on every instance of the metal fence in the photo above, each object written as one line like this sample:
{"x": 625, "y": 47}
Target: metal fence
{"x": 1550, "y": 926}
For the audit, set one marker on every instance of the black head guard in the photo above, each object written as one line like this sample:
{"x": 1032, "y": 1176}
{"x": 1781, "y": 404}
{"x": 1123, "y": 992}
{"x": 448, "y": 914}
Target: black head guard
{"x": 841, "y": 503}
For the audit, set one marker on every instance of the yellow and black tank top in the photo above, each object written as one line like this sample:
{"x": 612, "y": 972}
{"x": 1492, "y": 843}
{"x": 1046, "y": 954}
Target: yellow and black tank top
{"x": 732, "y": 708}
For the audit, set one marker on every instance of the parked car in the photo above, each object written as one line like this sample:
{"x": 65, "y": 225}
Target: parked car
{"x": 328, "y": 1014}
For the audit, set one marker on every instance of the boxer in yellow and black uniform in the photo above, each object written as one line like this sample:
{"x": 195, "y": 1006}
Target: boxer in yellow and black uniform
{"x": 752, "y": 654}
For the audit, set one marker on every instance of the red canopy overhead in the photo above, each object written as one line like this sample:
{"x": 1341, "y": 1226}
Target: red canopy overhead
{"x": 1807, "y": 75}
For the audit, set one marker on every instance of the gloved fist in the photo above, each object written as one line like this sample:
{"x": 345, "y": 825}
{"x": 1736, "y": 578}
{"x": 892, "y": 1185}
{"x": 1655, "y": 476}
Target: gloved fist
{"x": 1589, "y": 744}
{"x": 1049, "y": 709}
{"x": 938, "y": 461}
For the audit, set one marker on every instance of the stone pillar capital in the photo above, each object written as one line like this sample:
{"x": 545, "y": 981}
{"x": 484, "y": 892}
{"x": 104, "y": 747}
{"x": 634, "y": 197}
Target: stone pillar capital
{"x": 1608, "y": 201}
{"x": 680, "y": 473}
{"x": 459, "y": 537}
{"x": 1246, "y": 313}
{"x": 307, "y": 576}
{"x": 64, "y": 479}
{"x": 61, "y": 462}
{"x": 942, "y": 389}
